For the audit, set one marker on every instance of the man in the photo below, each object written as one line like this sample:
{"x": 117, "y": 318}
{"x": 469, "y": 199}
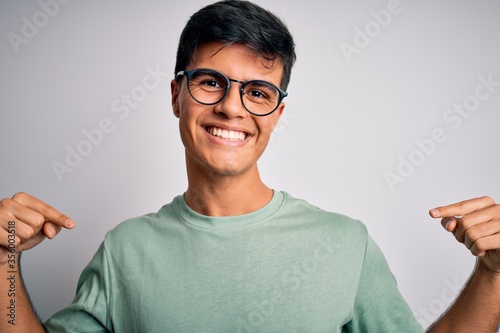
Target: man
{"x": 231, "y": 254}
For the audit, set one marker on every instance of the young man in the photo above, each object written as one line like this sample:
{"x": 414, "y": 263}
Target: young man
{"x": 231, "y": 254}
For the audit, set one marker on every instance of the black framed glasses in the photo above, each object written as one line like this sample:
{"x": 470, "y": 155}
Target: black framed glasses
{"x": 209, "y": 87}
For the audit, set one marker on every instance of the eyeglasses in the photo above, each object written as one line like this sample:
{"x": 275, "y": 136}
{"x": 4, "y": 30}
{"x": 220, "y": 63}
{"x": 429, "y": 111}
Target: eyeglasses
{"x": 209, "y": 87}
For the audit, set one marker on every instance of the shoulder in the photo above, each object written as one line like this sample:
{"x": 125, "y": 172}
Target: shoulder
{"x": 141, "y": 228}
{"x": 300, "y": 215}
{"x": 301, "y": 210}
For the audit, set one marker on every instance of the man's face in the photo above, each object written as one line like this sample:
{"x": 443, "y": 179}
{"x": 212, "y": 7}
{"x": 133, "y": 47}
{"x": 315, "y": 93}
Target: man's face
{"x": 202, "y": 126}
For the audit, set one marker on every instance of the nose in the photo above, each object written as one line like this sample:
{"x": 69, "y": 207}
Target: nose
{"x": 231, "y": 106}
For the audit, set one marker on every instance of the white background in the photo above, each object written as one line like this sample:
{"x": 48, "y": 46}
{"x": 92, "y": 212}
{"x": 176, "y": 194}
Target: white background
{"x": 346, "y": 124}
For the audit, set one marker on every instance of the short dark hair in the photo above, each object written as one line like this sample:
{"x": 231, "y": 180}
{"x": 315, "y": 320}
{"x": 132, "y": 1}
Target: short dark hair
{"x": 238, "y": 21}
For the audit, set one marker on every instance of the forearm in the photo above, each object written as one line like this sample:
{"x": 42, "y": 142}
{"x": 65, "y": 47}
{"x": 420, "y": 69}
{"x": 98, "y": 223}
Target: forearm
{"x": 16, "y": 312}
{"x": 477, "y": 309}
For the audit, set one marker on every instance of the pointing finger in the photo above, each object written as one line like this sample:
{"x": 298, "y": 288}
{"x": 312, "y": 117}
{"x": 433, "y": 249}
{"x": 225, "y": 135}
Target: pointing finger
{"x": 462, "y": 208}
{"x": 47, "y": 211}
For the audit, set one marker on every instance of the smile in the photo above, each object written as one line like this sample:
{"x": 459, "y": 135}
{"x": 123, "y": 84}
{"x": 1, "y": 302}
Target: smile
{"x": 227, "y": 135}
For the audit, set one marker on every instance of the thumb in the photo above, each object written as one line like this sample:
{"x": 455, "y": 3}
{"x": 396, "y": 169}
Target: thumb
{"x": 32, "y": 242}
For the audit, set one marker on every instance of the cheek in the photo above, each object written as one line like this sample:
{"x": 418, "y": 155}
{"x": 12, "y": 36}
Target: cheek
{"x": 187, "y": 110}
{"x": 266, "y": 126}
{"x": 189, "y": 116}
{"x": 186, "y": 125}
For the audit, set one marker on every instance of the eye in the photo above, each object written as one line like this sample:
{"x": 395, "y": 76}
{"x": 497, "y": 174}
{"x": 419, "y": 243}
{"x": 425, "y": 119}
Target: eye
{"x": 212, "y": 83}
{"x": 208, "y": 80}
{"x": 261, "y": 91}
{"x": 257, "y": 94}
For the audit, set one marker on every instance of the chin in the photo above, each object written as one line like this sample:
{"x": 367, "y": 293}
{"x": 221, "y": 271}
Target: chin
{"x": 229, "y": 169}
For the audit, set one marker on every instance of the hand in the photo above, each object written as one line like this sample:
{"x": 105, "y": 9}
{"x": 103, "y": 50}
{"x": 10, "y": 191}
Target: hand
{"x": 475, "y": 223}
{"x": 31, "y": 219}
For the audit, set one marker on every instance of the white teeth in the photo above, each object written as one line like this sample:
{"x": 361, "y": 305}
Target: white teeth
{"x": 228, "y": 135}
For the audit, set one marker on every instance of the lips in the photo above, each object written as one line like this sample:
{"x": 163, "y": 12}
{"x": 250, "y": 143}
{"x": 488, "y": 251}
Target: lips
{"x": 226, "y": 134}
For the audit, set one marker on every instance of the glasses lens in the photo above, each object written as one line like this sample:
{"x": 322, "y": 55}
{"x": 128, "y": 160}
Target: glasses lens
{"x": 207, "y": 87}
{"x": 260, "y": 97}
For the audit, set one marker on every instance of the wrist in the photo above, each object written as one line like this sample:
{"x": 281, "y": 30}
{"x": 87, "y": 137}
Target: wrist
{"x": 486, "y": 275}
{"x": 9, "y": 259}
{"x": 485, "y": 268}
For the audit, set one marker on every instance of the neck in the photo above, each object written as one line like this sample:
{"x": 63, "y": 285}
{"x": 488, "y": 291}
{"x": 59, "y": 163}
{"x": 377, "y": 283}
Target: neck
{"x": 213, "y": 194}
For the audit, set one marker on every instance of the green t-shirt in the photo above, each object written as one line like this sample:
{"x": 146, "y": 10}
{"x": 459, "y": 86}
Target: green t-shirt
{"x": 288, "y": 267}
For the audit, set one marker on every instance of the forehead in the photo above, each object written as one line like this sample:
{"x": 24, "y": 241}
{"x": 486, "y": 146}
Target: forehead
{"x": 237, "y": 61}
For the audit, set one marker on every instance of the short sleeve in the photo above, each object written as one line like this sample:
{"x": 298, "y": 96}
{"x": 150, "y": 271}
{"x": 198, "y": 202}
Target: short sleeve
{"x": 379, "y": 306}
{"x": 89, "y": 310}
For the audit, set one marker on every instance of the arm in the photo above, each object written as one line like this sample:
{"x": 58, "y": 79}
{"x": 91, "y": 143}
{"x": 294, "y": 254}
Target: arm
{"x": 18, "y": 315}
{"x": 24, "y": 223}
{"x": 476, "y": 224}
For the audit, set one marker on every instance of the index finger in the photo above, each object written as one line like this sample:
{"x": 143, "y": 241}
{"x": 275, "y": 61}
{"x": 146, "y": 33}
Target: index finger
{"x": 462, "y": 208}
{"x": 47, "y": 211}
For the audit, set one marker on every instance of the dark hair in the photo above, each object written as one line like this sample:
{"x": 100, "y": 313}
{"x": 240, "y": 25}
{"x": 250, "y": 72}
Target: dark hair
{"x": 238, "y": 21}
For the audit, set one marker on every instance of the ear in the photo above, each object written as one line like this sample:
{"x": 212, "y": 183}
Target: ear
{"x": 174, "y": 88}
{"x": 277, "y": 114}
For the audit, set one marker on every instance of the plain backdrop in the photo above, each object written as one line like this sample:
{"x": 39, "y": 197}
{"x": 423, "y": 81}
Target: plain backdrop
{"x": 393, "y": 109}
